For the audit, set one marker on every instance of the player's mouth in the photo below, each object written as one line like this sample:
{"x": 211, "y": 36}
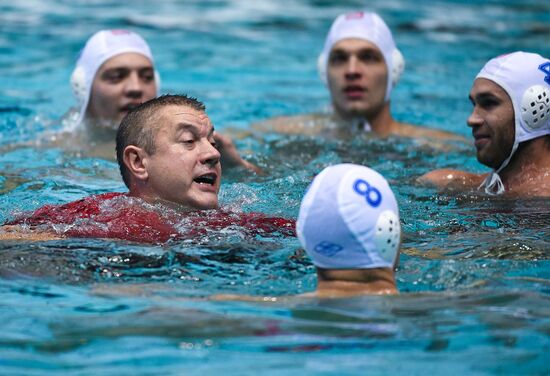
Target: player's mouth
{"x": 129, "y": 106}
{"x": 354, "y": 91}
{"x": 207, "y": 181}
{"x": 480, "y": 139}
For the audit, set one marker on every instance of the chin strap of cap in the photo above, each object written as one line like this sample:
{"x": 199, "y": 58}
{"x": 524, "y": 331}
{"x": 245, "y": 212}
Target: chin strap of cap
{"x": 493, "y": 184}
{"x": 366, "y": 126}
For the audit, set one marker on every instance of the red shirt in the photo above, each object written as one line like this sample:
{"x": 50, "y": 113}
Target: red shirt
{"x": 119, "y": 216}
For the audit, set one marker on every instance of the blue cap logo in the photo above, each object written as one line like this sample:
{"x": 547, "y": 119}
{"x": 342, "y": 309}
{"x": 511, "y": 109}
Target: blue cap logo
{"x": 546, "y": 69}
{"x": 327, "y": 248}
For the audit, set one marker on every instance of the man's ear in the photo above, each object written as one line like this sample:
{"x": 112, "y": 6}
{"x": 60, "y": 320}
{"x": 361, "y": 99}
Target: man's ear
{"x": 136, "y": 160}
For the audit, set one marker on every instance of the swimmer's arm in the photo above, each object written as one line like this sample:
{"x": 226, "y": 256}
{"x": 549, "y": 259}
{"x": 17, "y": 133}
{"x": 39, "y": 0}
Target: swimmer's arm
{"x": 248, "y": 298}
{"x": 230, "y": 156}
{"x": 337, "y": 293}
{"x": 150, "y": 291}
{"x": 19, "y": 233}
{"x": 325, "y": 290}
{"x": 452, "y": 179}
{"x": 409, "y": 130}
{"x": 432, "y": 138}
{"x": 156, "y": 289}
{"x": 443, "y": 135}
{"x": 326, "y": 293}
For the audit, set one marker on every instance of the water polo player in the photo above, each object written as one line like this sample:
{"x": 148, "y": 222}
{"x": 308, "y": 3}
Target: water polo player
{"x": 510, "y": 124}
{"x": 349, "y": 226}
{"x": 360, "y": 64}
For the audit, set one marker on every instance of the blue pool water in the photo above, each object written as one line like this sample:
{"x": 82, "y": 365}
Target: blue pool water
{"x": 475, "y": 273}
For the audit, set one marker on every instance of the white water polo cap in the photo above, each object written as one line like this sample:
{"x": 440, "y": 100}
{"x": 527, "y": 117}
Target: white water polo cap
{"x": 102, "y": 46}
{"x": 349, "y": 219}
{"x": 526, "y": 79}
{"x": 370, "y": 27}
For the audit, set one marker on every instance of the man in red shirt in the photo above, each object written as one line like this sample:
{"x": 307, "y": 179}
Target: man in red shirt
{"x": 168, "y": 158}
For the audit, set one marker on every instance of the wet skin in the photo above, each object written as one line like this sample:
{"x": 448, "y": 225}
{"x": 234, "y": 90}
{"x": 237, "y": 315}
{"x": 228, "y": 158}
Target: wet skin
{"x": 185, "y": 166}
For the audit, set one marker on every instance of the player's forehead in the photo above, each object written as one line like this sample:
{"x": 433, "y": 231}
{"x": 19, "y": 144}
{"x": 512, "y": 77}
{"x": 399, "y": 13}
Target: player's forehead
{"x": 355, "y": 44}
{"x": 483, "y": 86}
{"x": 127, "y": 60}
{"x": 180, "y": 118}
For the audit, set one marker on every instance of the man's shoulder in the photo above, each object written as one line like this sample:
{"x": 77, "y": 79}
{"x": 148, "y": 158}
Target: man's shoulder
{"x": 66, "y": 213}
{"x": 452, "y": 179}
{"x": 308, "y": 124}
{"x": 419, "y": 131}
{"x": 23, "y": 233}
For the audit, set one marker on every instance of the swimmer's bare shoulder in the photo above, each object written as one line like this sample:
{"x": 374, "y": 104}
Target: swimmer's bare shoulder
{"x": 78, "y": 143}
{"x": 306, "y": 124}
{"x": 416, "y": 131}
{"x": 452, "y": 179}
{"x": 531, "y": 183}
{"x": 16, "y": 232}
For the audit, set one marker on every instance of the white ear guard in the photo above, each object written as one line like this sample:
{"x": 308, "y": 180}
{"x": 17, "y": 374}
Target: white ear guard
{"x": 535, "y": 106}
{"x": 78, "y": 84}
{"x": 388, "y": 235}
{"x": 157, "y": 81}
{"x": 398, "y": 66}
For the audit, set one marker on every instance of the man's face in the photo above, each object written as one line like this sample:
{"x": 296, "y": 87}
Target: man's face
{"x": 185, "y": 167}
{"x": 122, "y": 82}
{"x": 492, "y": 122}
{"x": 357, "y": 77}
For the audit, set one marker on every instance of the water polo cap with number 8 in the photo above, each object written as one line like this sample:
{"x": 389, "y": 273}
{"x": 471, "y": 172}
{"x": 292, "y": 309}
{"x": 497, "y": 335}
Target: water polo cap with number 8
{"x": 349, "y": 219}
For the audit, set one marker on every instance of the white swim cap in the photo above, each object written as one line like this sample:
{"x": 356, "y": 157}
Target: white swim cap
{"x": 349, "y": 219}
{"x": 526, "y": 79}
{"x": 368, "y": 26}
{"x": 102, "y": 46}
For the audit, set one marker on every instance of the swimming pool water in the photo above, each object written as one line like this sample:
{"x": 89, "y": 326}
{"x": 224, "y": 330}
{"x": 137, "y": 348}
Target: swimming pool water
{"x": 475, "y": 273}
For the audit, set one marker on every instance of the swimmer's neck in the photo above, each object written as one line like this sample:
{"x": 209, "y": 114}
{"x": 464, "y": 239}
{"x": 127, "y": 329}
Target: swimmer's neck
{"x": 350, "y": 282}
{"x": 380, "y": 120}
{"x": 100, "y": 130}
{"x": 530, "y": 164}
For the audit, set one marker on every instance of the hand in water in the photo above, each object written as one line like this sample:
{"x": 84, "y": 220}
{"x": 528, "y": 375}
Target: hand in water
{"x": 230, "y": 154}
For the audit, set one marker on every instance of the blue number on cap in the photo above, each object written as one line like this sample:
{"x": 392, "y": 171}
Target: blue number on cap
{"x": 327, "y": 248}
{"x": 372, "y": 195}
{"x": 546, "y": 69}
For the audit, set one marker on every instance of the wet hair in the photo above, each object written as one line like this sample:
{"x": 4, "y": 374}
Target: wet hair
{"x": 140, "y": 125}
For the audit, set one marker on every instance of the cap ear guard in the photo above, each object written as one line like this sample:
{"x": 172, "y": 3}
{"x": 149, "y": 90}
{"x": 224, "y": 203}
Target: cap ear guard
{"x": 398, "y": 66}
{"x": 157, "y": 82}
{"x": 78, "y": 84}
{"x": 322, "y": 63}
{"x": 535, "y": 107}
{"x": 388, "y": 235}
